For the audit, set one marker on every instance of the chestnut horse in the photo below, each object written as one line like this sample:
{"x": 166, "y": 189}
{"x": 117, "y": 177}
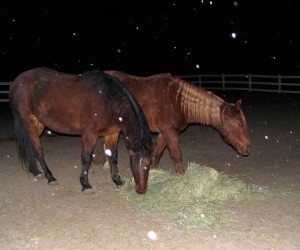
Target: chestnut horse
{"x": 91, "y": 105}
{"x": 171, "y": 104}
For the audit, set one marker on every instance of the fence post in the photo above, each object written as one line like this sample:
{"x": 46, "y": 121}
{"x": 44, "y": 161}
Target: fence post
{"x": 250, "y": 83}
{"x": 223, "y": 82}
{"x": 279, "y": 84}
{"x": 199, "y": 80}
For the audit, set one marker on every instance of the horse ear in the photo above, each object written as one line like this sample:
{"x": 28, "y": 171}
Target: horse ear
{"x": 238, "y": 104}
{"x": 225, "y": 111}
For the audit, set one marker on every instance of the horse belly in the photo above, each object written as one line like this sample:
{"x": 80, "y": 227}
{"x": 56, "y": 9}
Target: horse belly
{"x": 59, "y": 120}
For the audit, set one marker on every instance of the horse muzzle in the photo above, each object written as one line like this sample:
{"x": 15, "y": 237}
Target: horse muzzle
{"x": 141, "y": 190}
{"x": 244, "y": 152}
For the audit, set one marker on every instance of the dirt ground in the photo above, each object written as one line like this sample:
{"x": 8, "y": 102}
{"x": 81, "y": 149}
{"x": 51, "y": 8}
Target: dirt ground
{"x": 35, "y": 215}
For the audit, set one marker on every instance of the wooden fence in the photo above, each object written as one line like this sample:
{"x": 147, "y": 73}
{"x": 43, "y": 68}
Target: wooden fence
{"x": 4, "y": 88}
{"x": 242, "y": 82}
{"x": 248, "y": 82}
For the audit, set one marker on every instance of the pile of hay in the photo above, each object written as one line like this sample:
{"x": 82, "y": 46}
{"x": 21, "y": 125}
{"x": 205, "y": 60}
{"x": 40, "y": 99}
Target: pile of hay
{"x": 194, "y": 200}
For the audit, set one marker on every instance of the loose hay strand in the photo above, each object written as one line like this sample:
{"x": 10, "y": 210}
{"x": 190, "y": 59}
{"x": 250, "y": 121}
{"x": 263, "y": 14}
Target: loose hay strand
{"x": 195, "y": 199}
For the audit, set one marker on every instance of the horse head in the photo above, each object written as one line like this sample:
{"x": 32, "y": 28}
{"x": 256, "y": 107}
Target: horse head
{"x": 234, "y": 127}
{"x": 140, "y": 165}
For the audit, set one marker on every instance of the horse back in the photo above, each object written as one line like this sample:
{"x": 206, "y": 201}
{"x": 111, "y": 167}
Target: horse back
{"x": 65, "y": 103}
{"x": 158, "y": 97}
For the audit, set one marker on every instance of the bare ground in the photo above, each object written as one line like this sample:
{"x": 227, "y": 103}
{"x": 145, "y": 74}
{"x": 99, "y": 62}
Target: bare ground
{"x": 35, "y": 215}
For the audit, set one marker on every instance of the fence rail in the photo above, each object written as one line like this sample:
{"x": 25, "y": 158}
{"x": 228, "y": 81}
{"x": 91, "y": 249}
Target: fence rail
{"x": 242, "y": 82}
{"x": 248, "y": 82}
{"x": 4, "y": 88}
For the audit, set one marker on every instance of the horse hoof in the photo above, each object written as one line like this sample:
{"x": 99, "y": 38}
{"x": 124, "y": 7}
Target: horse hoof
{"x": 39, "y": 176}
{"x": 53, "y": 183}
{"x": 88, "y": 191}
{"x": 117, "y": 179}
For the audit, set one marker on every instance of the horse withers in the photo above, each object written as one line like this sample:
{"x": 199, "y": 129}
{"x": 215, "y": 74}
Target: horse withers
{"x": 91, "y": 105}
{"x": 171, "y": 104}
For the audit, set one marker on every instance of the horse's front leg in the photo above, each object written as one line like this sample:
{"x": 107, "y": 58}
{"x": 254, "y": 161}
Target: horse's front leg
{"x": 173, "y": 147}
{"x": 160, "y": 145}
{"x": 111, "y": 150}
{"x": 88, "y": 142}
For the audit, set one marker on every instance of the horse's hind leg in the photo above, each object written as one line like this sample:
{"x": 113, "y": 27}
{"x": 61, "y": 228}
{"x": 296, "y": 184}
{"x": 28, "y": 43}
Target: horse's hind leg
{"x": 99, "y": 156}
{"x": 48, "y": 174}
{"x": 34, "y": 129}
{"x": 26, "y": 151}
{"x": 34, "y": 170}
{"x": 33, "y": 166}
{"x": 111, "y": 144}
{"x": 88, "y": 143}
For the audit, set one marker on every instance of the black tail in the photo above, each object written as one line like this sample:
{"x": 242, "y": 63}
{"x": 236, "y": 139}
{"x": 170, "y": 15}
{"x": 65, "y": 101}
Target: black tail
{"x": 26, "y": 151}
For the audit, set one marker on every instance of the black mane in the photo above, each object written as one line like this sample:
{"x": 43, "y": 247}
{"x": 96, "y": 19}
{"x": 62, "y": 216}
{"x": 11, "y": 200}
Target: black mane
{"x": 121, "y": 102}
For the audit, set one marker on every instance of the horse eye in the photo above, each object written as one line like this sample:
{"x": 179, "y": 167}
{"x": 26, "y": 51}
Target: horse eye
{"x": 241, "y": 124}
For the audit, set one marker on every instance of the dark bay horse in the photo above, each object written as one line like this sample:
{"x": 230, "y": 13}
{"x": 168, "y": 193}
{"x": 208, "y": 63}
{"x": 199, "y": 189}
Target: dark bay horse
{"x": 171, "y": 104}
{"x": 91, "y": 105}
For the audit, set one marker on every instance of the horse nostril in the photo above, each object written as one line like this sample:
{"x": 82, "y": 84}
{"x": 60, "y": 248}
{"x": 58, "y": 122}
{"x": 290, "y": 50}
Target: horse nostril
{"x": 244, "y": 152}
{"x": 141, "y": 191}
{"x": 247, "y": 151}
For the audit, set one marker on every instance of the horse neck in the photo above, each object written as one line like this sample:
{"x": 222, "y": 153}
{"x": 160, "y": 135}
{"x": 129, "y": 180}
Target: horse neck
{"x": 138, "y": 130}
{"x": 129, "y": 124}
{"x": 199, "y": 105}
{"x": 134, "y": 127}
{"x": 137, "y": 137}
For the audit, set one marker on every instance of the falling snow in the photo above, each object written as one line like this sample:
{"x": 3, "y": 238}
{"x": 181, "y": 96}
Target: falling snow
{"x": 155, "y": 33}
{"x": 152, "y": 235}
{"x": 108, "y": 152}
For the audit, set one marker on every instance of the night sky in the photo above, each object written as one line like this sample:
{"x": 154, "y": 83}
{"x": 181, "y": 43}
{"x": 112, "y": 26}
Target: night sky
{"x": 149, "y": 37}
